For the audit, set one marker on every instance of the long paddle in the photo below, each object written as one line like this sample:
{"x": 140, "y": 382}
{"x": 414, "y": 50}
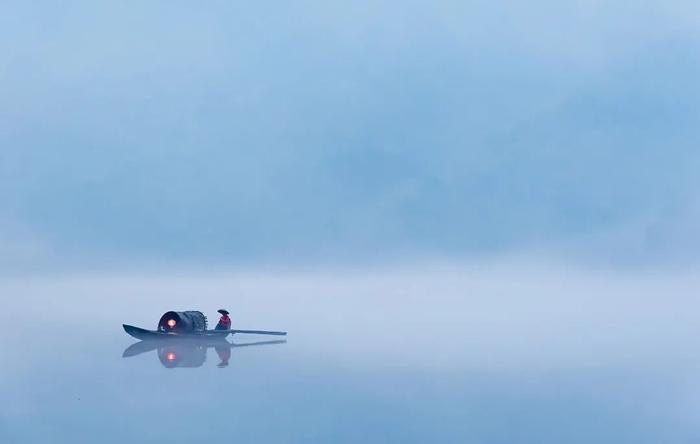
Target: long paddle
{"x": 256, "y": 332}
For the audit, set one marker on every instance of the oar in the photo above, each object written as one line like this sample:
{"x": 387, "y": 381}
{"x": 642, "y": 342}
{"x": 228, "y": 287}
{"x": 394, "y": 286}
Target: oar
{"x": 258, "y": 332}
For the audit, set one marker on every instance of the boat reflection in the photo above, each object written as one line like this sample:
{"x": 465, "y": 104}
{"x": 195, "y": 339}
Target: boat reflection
{"x": 186, "y": 353}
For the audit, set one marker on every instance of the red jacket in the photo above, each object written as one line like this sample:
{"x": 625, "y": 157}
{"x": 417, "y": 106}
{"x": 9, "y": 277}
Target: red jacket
{"x": 225, "y": 322}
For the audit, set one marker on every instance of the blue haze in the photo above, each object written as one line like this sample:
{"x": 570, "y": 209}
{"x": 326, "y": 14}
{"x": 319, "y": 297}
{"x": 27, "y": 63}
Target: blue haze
{"x": 307, "y": 130}
{"x": 462, "y": 154}
{"x": 485, "y": 354}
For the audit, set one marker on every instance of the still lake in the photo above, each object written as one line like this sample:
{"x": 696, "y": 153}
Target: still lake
{"x": 450, "y": 354}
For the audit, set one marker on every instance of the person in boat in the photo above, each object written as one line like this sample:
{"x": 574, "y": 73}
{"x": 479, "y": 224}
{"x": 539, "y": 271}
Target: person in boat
{"x": 224, "y": 321}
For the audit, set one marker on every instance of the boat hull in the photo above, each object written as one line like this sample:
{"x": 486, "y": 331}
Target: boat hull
{"x": 150, "y": 335}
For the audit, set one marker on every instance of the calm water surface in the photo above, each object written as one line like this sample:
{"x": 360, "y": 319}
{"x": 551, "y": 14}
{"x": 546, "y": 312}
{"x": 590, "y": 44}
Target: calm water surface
{"x": 477, "y": 355}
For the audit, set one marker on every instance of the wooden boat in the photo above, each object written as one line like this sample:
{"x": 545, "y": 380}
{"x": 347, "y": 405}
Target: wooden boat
{"x": 187, "y": 325}
{"x": 206, "y": 335}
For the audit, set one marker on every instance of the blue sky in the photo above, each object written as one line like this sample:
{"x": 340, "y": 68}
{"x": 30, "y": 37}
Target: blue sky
{"x": 307, "y": 130}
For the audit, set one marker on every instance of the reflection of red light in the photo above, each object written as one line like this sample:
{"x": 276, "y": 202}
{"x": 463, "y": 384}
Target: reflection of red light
{"x": 171, "y": 356}
{"x": 171, "y": 323}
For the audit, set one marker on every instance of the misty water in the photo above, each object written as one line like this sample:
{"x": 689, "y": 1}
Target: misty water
{"x": 477, "y": 354}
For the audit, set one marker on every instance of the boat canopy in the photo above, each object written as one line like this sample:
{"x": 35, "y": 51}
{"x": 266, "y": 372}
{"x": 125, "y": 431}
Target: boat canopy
{"x": 183, "y": 322}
